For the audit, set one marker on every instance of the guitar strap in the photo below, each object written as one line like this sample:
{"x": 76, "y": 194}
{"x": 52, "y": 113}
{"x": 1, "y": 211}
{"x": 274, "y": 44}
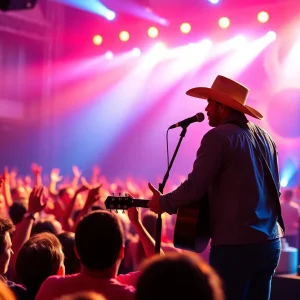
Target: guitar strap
{"x": 261, "y": 157}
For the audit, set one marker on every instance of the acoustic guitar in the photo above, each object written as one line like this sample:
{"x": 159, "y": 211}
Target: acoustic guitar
{"x": 192, "y": 227}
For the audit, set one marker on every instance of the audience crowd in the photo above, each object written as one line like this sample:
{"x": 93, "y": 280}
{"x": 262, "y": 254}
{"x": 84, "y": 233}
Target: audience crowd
{"x": 58, "y": 240}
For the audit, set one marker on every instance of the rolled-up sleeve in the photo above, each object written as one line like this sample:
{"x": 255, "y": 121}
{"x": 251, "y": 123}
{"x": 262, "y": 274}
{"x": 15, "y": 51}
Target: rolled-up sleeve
{"x": 207, "y": 164}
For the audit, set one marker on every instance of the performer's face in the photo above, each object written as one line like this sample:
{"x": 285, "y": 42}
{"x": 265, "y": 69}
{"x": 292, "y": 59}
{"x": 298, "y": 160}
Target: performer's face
{"x": 213, "y": 113}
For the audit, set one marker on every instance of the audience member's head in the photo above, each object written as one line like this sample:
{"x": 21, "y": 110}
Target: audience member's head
{"x": 46, "y": 224}
{"x": 6, "y": 293}
{"x": 178, "y": 276}
{"x": 83, "y": 296}
{"x": 17, "y": 211}
{"x": 19, "y": 194}
{"x": 6, "y": 226}
{"x": 71, "y": 262}
{"x": 99, "y": 241}
{"x": 66, "y": 194}
{"x": 40, "y": 257}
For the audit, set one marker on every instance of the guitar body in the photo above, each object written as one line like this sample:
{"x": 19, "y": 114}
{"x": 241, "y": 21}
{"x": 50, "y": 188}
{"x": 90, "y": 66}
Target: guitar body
{"x": 192, "y": 228}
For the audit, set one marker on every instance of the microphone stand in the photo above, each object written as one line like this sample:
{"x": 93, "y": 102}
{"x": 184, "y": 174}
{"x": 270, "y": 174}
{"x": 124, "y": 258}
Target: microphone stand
{"x": 161, "y": 189}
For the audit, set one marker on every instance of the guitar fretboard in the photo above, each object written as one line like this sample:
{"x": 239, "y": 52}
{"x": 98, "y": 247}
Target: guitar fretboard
{"x": 140, "y": 203}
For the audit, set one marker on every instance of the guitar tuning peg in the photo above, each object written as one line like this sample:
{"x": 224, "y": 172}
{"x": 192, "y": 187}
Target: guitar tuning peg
{"x": 109, "y": 210}
{"x": 123, "y": 212}
{"x": 120, "y": 194}
{"x": 126, "y": 194}
{"x": 116, "y": 211}
{"x": 113, "y": 194}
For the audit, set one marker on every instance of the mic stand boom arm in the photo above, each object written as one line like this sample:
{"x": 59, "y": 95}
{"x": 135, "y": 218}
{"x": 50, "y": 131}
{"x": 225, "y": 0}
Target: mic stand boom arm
{"x": 161, "y": 189}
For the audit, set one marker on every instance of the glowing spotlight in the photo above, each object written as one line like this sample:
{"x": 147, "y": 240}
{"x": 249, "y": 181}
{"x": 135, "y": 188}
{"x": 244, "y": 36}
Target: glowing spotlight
{"x": 153, "y": 32}
{"x": 109, "y": 55}
{"x": 185, "y": 28}
{"x": 263, "y": 17}
{"x": 240, "y": 40}
{"x": 214, "y": 1}
{"x": 283, "y": 182}
{"x": 110, "y": 15}
{"x": 124, "y": 36}
{"x": 136, "y": 52}
{"x": 224, "y": 22}
{"x": 159, "y": 50}
{"x": 97, "y": 40}
{"x": 271, "y": 35}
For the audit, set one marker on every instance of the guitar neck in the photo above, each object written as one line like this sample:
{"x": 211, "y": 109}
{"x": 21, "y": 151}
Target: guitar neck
{"x": 140, "y": 203}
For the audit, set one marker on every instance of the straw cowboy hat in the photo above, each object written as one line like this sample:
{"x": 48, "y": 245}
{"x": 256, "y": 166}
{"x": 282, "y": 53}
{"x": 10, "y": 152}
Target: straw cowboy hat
{"x": 228, "y": 92}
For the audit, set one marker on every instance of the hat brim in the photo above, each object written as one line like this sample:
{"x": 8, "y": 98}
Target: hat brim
{"x": 208, "y": 93}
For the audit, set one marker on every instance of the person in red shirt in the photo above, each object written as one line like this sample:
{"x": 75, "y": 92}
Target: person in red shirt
{"x": 99, "y": 243}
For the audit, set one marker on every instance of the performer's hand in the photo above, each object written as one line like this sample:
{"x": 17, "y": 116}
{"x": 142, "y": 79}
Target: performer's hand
{"x": 154, "y": 203}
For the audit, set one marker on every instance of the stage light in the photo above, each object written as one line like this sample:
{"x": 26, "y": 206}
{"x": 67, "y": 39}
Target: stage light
{"x": 110, "y": 15}
{"x": 109, "y": 55}
{"x": 136, "y": 52}
{"x": 124, "y": 36}
{"x": 214, "y": 1}
{"x": 153, "y": 32}
{"x": 97, "y": 40}
{"x": 283, "y": 182}
{"x": 185, "y": 28}
{"x": 271, "y": 35}
{"x": 224, "y": 22}
{"x": 263, "y": 17}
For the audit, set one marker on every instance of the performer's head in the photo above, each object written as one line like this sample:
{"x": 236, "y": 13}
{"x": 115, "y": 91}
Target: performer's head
{"x": 225, "y": 97}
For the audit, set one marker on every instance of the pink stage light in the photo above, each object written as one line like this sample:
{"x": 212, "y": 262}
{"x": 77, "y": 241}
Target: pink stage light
{"x": 153, "y": 32}
{"x": 97, "y": 40}
{"x": 224, "y": 22}
{"x": 263, "y": 17}
{"x": 185, "y": 28}
{"x": 124, "y": 36}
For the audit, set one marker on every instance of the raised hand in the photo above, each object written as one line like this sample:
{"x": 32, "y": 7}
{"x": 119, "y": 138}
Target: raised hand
{"x": 54, "y": 175}
{"x": 36, "y": 169}
{"x": 76, "y": 172}
{"x": 134, "y": 215}
{"x": 84, "y": 186}
{"x": 35, "y": 203}
{"x": 93, "y": 195}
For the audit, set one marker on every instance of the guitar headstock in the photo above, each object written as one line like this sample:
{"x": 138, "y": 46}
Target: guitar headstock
{"x": 118, "y": 202}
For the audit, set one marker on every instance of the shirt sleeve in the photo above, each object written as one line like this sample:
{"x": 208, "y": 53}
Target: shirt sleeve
{"x": 207, "y": 164}
{"x": 129, "y": 279}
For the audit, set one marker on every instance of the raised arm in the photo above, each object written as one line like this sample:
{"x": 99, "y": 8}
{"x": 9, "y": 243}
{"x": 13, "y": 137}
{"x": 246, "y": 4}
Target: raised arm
{"x": 146, "y": 239}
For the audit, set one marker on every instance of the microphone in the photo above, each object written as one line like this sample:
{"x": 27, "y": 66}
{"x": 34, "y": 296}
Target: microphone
{"x": 199, "y": 117}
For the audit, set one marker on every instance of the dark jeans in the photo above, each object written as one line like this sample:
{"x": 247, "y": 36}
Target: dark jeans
{"x": 246, "y": 270}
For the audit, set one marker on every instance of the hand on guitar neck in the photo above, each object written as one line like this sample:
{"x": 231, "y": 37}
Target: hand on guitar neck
{"x": 154, "y": 203}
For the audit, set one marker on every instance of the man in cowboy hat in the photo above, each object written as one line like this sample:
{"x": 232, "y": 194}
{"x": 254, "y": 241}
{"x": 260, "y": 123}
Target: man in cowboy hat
{"x": 244, "y": 211}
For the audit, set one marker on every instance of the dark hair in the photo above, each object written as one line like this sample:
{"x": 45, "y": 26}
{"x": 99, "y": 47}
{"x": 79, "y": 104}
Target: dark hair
{"x": 5, "y": 226}
{"x": 178, "y": 276}
{"x": 44, "y": 225}
{"x": 71, "y": 262}
{"x": 17, "y": 212}
{"x": 99, "y": 238}
{"x": 40, "y": 257}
